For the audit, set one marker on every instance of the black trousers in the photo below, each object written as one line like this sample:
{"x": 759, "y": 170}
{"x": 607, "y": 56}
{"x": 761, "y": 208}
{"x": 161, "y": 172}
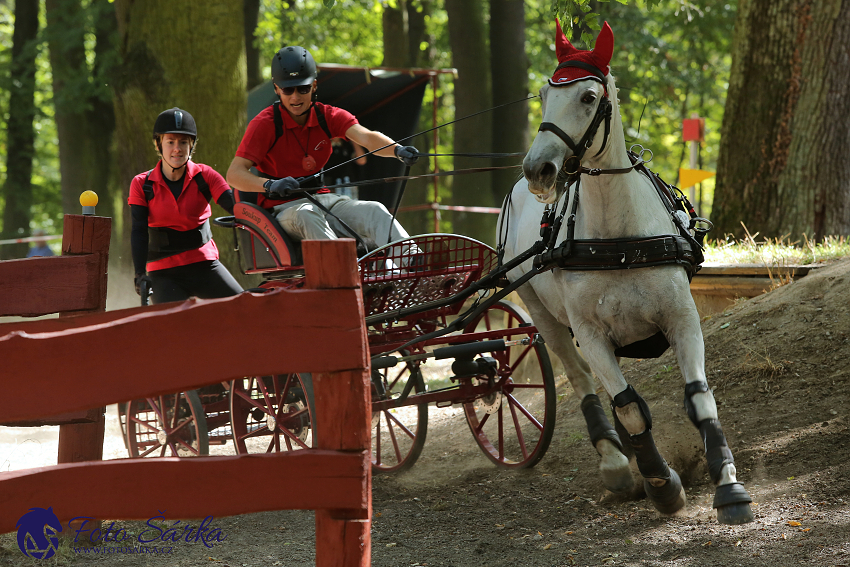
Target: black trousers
{"x": 208, "y": 280}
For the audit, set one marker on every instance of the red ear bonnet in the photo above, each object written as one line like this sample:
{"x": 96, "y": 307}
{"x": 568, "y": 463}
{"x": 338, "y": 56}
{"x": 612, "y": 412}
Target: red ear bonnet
{"x": 599, "y": 57}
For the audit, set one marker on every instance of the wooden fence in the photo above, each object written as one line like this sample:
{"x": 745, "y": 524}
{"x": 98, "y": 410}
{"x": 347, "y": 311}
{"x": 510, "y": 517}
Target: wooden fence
{"x": 70, "y": 364}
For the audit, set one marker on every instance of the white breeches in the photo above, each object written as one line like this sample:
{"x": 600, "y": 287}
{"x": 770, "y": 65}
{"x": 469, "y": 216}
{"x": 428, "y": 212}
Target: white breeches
{"x": 303, "y": 220}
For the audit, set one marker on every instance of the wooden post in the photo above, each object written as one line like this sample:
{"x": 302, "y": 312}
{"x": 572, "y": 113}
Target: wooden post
{"x": 343, "y": 410}
{"x": 86, "y": 234}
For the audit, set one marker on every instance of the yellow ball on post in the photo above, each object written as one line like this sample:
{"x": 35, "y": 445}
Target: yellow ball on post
{"x": 88, "y": 200}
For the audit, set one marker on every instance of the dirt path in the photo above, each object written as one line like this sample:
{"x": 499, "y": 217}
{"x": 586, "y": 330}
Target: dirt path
{"x": 779, "y": 368}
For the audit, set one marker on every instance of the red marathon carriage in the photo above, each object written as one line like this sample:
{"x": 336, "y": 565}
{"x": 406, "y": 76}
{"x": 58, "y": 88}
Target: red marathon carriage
{"x": 436, "y": 339}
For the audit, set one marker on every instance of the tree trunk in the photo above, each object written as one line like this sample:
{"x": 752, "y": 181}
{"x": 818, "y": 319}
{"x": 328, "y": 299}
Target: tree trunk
{"x": 65, "y": 31}
{"x": 252, "y": 51}
{"x": 416, "y": 14}
{"x": 100, "y": 116}
{"x": 396, "y": 48}
{"x": 192, "y": 59}
{"x": 20, "y": 136}
{"x": 781, "y": 168}
{"x": 509, "y": 69}
{"x": 468, "y": 41}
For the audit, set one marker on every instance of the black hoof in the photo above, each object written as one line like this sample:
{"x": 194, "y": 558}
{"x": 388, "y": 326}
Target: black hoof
{"x": 733, "y": 504}
{"x": 669, "y": 498}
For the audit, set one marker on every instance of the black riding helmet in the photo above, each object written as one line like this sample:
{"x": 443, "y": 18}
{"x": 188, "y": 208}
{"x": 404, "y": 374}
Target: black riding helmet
{"x": 175, "y": 121}
{"x": 293, "y": 66}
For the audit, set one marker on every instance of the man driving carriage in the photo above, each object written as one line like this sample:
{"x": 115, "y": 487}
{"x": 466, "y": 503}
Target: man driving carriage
{"x": 292, "y": 139}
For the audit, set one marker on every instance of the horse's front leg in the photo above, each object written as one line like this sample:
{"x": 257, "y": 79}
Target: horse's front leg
{"x": 730, "y": 497}
{"x": 614, "y": 463}
{"x": 662, "y": 484}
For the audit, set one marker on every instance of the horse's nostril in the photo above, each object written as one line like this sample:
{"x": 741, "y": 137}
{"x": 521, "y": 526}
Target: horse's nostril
{"x": 548, "y": 170}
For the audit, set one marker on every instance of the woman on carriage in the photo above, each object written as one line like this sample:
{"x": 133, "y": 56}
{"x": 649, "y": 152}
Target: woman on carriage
{"x": 292, "y": 138}
{"x": 173, "y": 250}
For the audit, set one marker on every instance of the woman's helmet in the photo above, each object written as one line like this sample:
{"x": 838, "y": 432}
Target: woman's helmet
{"x": 175, "y": 121}
{"x": 293, "y": 66}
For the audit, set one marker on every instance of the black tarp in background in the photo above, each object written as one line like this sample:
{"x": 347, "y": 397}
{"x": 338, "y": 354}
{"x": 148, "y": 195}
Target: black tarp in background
{"x": 388, "y": 102}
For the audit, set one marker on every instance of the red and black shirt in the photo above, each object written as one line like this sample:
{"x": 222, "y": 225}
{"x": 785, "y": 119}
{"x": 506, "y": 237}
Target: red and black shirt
{"x": 188, "y": 211}
{"x": 284, "y": 156}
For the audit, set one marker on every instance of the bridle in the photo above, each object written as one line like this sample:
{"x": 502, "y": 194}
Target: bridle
{"x": 603, "y": 112}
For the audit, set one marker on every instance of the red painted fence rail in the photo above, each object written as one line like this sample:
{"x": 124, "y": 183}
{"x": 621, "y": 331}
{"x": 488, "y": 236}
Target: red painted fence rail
{"x": 63, "y": 365}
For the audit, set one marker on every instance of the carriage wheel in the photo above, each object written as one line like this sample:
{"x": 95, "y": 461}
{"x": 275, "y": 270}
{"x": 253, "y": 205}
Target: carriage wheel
{"x": 122, "y": 421}
{"x": 514, "y": 425}
{"x": 172, "y": 425}
{"x": 272, "y": 413}
{"x": 398, "y": 434}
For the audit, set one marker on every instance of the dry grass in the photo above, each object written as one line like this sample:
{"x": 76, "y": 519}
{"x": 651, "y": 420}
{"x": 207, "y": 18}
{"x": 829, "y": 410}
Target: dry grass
{"x": 776, "y": 252}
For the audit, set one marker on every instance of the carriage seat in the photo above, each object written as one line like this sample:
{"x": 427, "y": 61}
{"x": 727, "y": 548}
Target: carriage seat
{"x": 264, "y": 242}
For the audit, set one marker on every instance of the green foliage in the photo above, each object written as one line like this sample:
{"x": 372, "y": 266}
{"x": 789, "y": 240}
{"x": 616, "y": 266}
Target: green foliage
{"x": 350, "y": 33}
{"x": 671, "y": 59}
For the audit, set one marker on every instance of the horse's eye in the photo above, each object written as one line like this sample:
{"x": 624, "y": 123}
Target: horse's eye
{"x": 588, "y": 98}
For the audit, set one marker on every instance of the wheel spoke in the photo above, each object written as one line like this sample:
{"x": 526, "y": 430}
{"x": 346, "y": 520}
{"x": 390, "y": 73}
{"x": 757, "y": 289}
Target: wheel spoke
{"x": 394, "y": 440}
{"x": 518, "y": 430}
{"x": 501, "y": 435}
{"x": 255, "y": 432}
{"x": 191, "y": 448}
{"x": 181, "y": 425}
{"x": 513, "y": 401}
{"x": 481, "y": 423}
{"x": 151, "y": 450}
{"x": 378, "y": 441}
{"x": 144, "y": 423}
{"x": 175, "y": 407}
{"x": 157, "y": 409}
{"x": 401, "y": 426}
{"x": 520, "y": 358}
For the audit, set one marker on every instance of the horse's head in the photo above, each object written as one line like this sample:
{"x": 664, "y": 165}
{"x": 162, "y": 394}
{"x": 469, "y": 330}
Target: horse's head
{"x": 575, "y": 104}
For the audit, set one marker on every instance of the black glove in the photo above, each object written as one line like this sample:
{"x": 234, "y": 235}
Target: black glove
{"x": 407, "y": 154}
{"x": 140, "y": 280}
{"x": 281, "y": 188}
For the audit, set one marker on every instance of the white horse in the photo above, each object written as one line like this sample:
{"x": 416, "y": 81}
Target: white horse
{"x": 619, "y": 210}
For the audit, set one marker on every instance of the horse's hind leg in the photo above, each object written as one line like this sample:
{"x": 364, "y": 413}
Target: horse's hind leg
{"x": 614, "y": 463}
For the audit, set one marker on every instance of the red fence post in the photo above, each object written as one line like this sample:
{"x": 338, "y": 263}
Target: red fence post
{"x": 86, "y": 234}
{"x": 343, "y": 414}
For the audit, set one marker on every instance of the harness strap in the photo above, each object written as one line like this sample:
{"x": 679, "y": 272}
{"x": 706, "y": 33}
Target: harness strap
{"x": 202, "y": 184}
{"x": 603, "y": 112}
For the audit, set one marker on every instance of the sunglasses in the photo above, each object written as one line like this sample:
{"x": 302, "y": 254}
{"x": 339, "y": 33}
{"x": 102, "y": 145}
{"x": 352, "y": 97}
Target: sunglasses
{"x": 303, "y": 89}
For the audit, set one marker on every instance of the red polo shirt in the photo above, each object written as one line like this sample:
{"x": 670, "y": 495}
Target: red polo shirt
{"x": 285, "y": 157}
{"x": 188, "y": 211}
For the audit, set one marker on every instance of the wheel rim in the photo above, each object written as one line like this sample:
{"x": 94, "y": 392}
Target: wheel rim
{"x": 171, "y": 425}
{"x": 272, "y": 413}
{"x": 515, "y": 430}
{"x": 398, "y": 434}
